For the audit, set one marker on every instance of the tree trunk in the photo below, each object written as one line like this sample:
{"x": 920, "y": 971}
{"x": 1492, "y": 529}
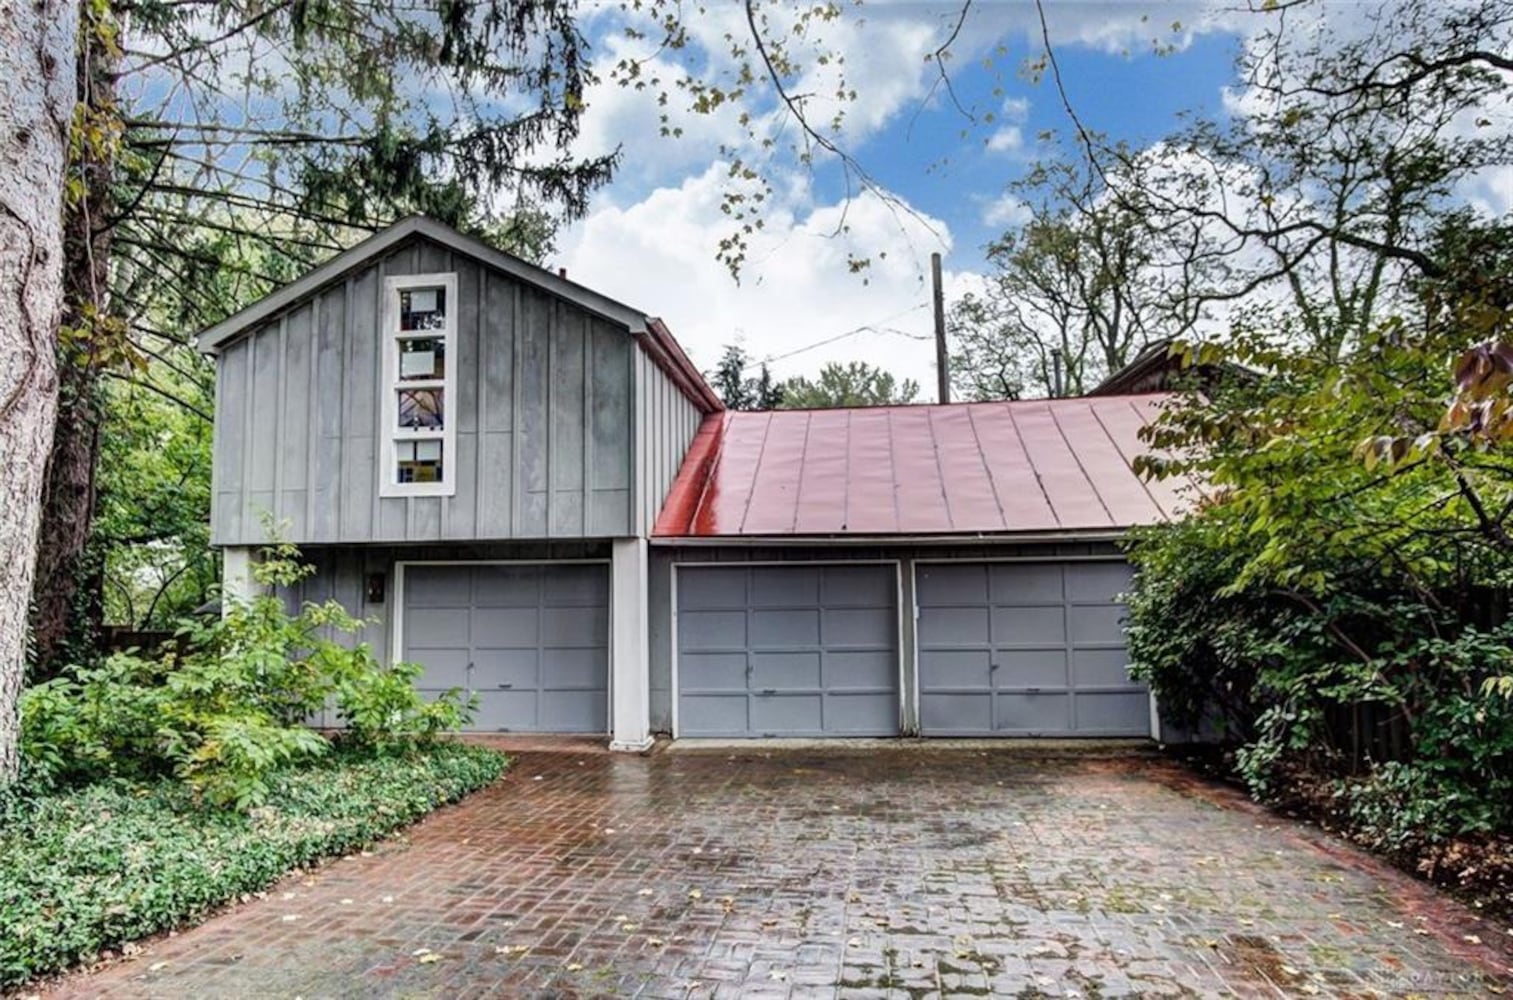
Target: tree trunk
{"x": 66, "y": 602}
{"x": 61, "y": 619}
{"x": 37, "y": 77}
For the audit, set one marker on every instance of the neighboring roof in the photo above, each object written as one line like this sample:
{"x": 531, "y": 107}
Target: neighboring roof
{"x": 1004, "y": 468}
{"x": 650, "y": 333}
{"x": 1157, "y": 369}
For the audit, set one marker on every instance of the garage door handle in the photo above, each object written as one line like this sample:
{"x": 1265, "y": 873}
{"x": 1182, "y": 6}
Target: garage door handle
{"x": 769, "y": 690}
{"x": 506, "y": 685}
{"x": 993, "y": 666}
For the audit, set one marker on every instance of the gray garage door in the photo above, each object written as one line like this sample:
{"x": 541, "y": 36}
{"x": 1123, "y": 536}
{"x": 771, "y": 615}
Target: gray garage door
{"x": 531, "y": 641}
{"x": 1025, "y": 649}
{"x": 788, "y": 651}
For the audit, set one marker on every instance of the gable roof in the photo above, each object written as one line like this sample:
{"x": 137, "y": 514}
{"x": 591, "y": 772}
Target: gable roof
{"x": 650, "y": 333}
{"x": 967, "y": 469}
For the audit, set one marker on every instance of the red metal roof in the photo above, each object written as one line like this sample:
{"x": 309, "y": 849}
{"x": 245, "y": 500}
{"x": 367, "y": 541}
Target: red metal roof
{"x": 966, "y": 468}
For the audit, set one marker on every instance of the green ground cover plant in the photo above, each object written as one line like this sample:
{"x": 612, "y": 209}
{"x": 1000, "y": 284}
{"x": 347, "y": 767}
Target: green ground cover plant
{"x": 84, "y": 870}
{"x": 157, "y": 787}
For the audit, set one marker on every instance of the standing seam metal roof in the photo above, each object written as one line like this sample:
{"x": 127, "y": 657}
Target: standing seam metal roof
{"x": 999, "y": 468}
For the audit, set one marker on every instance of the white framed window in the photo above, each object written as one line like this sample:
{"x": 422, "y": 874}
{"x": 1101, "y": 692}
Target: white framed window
{"x": 419, "y": 430}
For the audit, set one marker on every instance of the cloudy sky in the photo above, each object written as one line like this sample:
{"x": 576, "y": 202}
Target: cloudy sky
{"x": 944, "y": 156}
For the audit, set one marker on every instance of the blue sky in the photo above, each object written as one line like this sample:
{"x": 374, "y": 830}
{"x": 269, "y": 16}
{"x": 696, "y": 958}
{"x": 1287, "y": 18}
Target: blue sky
{"x": 652, "y": 236}
{"x": 1136, "y": 98}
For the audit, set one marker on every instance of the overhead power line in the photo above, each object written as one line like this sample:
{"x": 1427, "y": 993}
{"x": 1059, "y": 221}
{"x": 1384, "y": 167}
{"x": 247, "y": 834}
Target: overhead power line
{"x": 873, "y": 327}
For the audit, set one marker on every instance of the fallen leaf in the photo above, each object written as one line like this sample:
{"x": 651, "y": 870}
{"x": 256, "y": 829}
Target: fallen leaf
{"x": 655, "y": 942}
{"x": 627, "y": 928}
{"x": 695, "y": 894}
{"x": 643, "y": 892}
{"x": 387, "y": 899}
{"x": 777, "y": 975}
{"x": 157, "y": 966}
{"x": 1473, "y": 938}
{"x": 574, "y": 967}
{"x": 289, "y": 918}
{"x": 609, "y": 831}
{"x": 346, "y": 902}
{"x": 430, "y": 958}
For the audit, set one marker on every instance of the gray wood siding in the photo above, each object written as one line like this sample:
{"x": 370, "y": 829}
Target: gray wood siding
{"x": 666, "y": 422}
{"x": 542, "y": 407}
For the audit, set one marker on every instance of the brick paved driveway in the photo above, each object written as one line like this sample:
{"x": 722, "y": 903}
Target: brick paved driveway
{"x": 904, "y": 872}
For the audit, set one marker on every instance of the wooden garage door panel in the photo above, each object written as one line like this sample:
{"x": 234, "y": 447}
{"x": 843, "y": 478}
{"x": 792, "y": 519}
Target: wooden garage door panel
{"x": 529, "y": 641}
{"x": 1026, "y": 649}
{"x": 787, "y": 651}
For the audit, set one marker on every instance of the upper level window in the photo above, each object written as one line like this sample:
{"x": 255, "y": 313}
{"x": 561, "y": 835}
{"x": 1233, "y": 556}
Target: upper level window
{"x": 418, "y": 436}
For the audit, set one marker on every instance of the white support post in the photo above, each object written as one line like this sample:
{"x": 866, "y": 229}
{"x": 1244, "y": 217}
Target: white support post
{"x": 629, "y": 648}
{"x": 237, "y": 582}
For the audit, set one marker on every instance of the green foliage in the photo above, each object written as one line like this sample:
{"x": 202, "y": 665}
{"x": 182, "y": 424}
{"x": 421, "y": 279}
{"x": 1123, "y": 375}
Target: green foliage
{"x": 741, "y": 391}
{"x": 88, "y": 869}
{"x": 1193, "y": 647}
{"x": 151, "y": 531}
{"x": 1322, "y": 571}
{"x": 855, "y": 383}
{"x": 231, "y": 708}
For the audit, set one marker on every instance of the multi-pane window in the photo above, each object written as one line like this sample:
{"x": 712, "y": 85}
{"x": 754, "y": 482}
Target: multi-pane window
{"x": 420, "y": 322}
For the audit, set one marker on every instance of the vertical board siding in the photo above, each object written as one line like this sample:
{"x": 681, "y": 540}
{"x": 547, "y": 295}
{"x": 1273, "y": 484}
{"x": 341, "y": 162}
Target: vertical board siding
{"x": 229, "y": 441}
{"x": 610, "y": 444}
{"x": 496, "y": 440}
{"x": 326, "y": 408}
{"x": 541, "y": 404}
{"x": 294, "y": 402}
{"x": 666, "y": 421}
{"x": 566, "y": 444}
{"x": 533, "y": 397}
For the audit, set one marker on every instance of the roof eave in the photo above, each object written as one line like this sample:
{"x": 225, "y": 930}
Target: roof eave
{"x": 945, "y": 539}
{"x": 668, "y": 355}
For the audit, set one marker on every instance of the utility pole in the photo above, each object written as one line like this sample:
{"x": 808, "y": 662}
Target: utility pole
{"x": 942, "y": 360}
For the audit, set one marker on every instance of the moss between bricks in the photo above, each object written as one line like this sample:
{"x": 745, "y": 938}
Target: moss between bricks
{"x": 89, "y": 869}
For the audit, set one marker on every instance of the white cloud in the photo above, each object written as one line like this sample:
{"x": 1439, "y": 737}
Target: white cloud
{"x": 796, "y": 289}
{"x": 1009, "y": 136}
{"x": 1008, "y": 139}
{"x": 1490, "y": 193}
{"x": 1007, "y": 212}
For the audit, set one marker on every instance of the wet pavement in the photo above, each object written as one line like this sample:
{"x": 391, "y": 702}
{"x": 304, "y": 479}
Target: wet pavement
{"x": 900, "y": 871}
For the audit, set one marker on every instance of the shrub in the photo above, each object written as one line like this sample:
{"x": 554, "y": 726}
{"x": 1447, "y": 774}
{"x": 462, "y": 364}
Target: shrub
{"x": 234, "y": 706}
{"x": 87, "y": 869}
{"x": 1279, "y": 668}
